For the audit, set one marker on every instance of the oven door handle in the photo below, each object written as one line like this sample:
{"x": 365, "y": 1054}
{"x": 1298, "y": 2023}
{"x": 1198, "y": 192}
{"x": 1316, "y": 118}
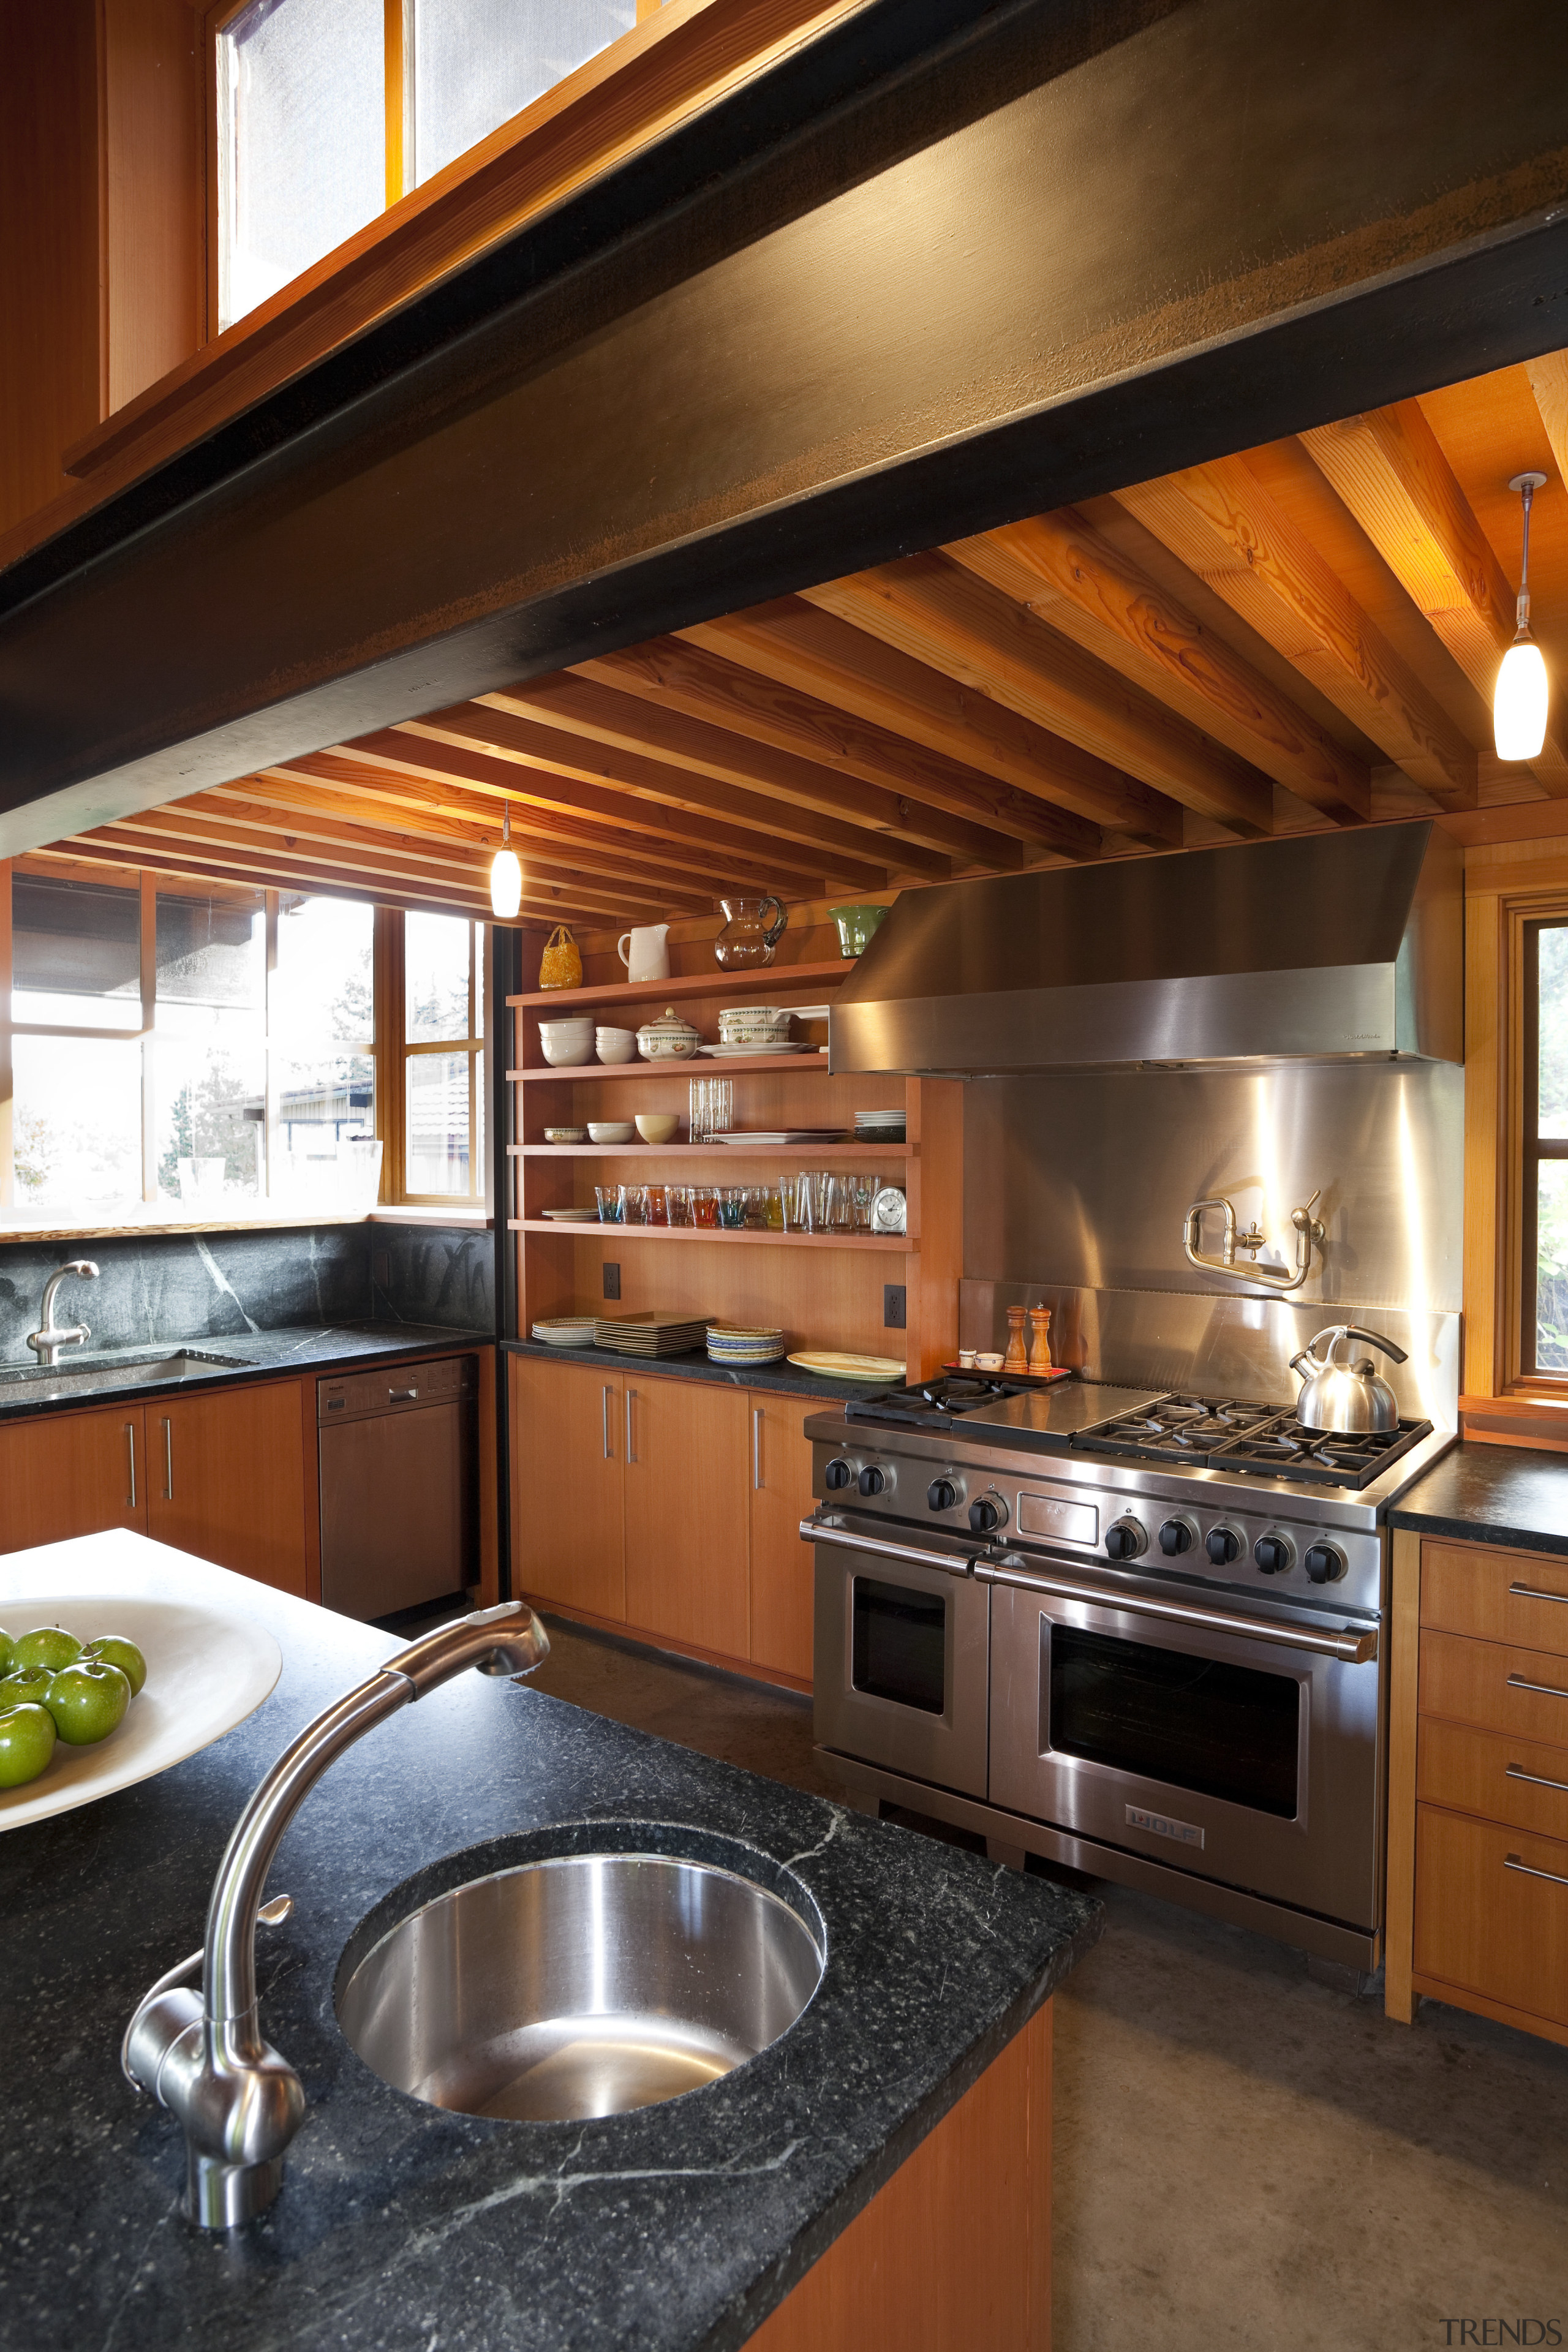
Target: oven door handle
{"x": 824, "y": 1530}
{"x": 1352, "y": 1648}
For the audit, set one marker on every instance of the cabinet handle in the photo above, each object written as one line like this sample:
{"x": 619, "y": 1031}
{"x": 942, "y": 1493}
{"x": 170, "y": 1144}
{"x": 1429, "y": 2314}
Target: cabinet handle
{"x": 1512, "y": 1862}
{"x": 1536, "y": 1779}
{"x": 630, "y": 1455}
{"x": 168, "y": 1460}
{"x": 402, "y": 1396}
{"x": 604, "y": 1421}
{"x": 1550, "y": 1690}
{"x": 130, "y": 1449}
{"x": 1534, "y": 1592}
{"x": 756, "y": 1449}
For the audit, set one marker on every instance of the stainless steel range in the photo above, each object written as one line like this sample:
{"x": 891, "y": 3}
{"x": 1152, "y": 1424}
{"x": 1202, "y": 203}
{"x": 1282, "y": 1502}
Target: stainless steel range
{"x": 1134, "y": 1631}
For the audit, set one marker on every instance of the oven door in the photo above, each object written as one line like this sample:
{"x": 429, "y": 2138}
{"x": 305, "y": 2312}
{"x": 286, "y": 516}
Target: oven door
{"x": 1242, "y": 1746}
{"x": 902, "y": 1656}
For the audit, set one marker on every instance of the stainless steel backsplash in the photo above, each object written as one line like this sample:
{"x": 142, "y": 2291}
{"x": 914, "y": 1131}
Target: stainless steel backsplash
{"x": 1075, "y": 1188}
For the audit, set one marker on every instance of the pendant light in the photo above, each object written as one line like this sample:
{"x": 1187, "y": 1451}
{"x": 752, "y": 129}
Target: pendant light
{"x": 1518, "y": 700}
{"x": 505, "y": 874}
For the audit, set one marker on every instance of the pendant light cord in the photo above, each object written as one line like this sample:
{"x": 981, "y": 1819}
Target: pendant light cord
{"x": 1521, "y": 611}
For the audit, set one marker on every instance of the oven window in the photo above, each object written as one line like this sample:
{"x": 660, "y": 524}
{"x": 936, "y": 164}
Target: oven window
{"x": 1221, "y": 1730}
{"x": 900, "y": 1644}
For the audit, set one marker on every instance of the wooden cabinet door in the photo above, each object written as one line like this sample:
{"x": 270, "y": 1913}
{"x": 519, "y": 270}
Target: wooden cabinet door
{"x": 566, "y": 1472}
{"x": 781, "y": 1566}
{"x": 72, "y": 1474}
{"x": 227, "y": 1479}
{"x": 687, "y": 1479}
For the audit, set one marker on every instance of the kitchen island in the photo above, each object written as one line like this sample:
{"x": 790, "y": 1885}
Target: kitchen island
{"x": 678, "y": 2226}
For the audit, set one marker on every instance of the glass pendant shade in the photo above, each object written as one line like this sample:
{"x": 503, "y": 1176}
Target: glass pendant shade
{"x": 1519, "y": 702}
{"x": 505, "y": 883}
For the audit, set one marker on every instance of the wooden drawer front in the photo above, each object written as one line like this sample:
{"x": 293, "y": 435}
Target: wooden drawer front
{"x": 1522, "y": 1692}
{"x": 1484, "y": 1928}
{"x": 1470, "y": 1589}
{"x": 1513, "y": 1781}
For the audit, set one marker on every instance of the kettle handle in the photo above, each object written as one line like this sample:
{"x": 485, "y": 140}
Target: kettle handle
{"x": 1338, "y": 1331}
{"x": 1373, "y": 1338}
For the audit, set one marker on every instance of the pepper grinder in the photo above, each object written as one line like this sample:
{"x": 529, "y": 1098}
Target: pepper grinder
{"x": 1040, "y": 1339}
{"x": 1016, "y": 1359}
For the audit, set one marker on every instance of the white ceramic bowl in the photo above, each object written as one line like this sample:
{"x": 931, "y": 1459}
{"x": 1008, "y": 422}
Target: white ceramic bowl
{"x": 566, "y": 1134}
{"x": 656, "y": 1127}
{"x": 616, "y": 1045}
{"x": 610, "y": 1131}
{"x": 565, "y": 1043}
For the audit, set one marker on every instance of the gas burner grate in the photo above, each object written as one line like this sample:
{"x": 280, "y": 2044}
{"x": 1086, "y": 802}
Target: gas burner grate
{"x": 929, "y": 1403}
{"x": 1186, "y": 1429}
{"x": 1285, "y": 1450}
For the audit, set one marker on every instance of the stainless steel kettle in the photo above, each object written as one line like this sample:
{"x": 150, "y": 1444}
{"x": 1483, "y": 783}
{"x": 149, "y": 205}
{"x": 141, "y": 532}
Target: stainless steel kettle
{"x": 1347, "y": 1399}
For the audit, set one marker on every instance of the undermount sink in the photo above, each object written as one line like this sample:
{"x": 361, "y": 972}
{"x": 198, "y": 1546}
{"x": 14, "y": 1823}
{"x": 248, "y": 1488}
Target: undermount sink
{"x": 124, "y": 1371}
{"x": 581, "y": 1985}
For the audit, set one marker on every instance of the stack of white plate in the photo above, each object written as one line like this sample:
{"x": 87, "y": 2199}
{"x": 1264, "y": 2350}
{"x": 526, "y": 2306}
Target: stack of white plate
{"x": 565, "y": 1330}
{"x": 880, "y": 1126}
{"x": 732, "y": 1344}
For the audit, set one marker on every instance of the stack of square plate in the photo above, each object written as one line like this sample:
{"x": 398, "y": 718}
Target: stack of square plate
{"x": 880, "y": 1126}
{"x": 728, "y": 1343}
{"x": 651, "y": 1333}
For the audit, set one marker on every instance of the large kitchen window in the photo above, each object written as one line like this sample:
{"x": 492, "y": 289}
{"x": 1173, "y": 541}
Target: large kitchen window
{"x": 1544, "y": 1285}
{"x": 328, "y": 111}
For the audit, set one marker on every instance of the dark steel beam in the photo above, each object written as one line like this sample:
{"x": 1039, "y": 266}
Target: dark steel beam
{"x": 941, "y": 268}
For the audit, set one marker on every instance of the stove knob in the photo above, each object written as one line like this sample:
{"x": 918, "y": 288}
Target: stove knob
{"x": 1324, "y": 1563}
{"x": 838, "y": 1475}
{"x": 986, "y": 1514}
{"x": 1274, "y": 1553}
{"x": 1177, "y": 1536}
{"x": 941, "y": 1495}
{"x": 1222, "y": 1545}
{"x": 872, "y": 1480}
{"x": 1125, "y": 1540}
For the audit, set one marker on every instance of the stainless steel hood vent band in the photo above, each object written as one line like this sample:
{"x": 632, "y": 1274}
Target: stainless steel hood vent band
{"x": 1335, "y": 945}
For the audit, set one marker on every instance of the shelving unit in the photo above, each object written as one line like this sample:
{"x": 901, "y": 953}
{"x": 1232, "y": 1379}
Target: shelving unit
{"x": 825, "y": 1289}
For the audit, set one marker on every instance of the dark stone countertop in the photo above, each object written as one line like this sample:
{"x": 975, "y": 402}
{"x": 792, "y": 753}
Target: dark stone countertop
{"x": 1491, "y": 1494}
{"x": 245, "y": 1355}
{"x": 782, "y": 1378}
{"x": 400, "y": 2227}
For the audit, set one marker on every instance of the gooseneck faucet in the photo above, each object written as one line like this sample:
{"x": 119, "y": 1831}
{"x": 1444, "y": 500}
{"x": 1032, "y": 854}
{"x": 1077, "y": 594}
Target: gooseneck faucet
{"x": 45, "y": 1343}
{"x": 202, "y": 2054}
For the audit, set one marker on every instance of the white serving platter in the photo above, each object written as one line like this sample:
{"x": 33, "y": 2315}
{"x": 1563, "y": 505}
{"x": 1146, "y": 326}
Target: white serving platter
{"x": 209, "y": 1667}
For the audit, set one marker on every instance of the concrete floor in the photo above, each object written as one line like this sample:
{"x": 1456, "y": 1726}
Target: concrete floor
{"x": 1243, "y": 2158}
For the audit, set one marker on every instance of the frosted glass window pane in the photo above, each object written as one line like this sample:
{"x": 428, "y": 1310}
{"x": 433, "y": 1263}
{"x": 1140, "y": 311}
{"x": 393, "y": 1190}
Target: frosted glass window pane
{"x": 436, "y": 979}
{"x": 323, "y": 987}
{"x": 77, "y": 952}
{"x": 478, "y": 62}
{"x": 212, "y": 951}
{"x": 438, "y": 1133}
{"x": 303, "y": 126}
{"x": 78, "y": 1122}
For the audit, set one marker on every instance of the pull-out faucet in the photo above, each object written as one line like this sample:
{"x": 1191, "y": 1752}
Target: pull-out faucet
{"x": 45, "y": 1343}
{"x": 202, "y": 2054}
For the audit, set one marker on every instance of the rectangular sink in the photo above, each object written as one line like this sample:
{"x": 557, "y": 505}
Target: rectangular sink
{"x": 36, "y": 1382}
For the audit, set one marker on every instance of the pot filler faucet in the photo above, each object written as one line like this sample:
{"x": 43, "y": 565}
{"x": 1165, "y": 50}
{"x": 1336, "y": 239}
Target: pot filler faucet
{"x": 202, "y": 2054}
{"x": 46, "y": 1342}
{"x": 1309, "y": 1230}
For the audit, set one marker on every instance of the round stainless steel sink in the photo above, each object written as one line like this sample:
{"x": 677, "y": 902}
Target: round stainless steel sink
{"x": 583, "y": 1985}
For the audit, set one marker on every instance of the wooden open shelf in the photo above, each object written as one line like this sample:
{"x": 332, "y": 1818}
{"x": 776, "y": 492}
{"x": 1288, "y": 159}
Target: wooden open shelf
{"x": 743, "y": 985}
{"x": 903, "y": 1244}
{"x": 695, "y": 1066}
{"x": 807, "y": 1154}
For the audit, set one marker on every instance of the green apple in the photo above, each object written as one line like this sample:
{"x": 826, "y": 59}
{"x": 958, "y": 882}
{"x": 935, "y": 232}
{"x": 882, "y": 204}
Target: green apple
{"x": 87, "y": 1703}
{"x": 22, "y": 1683}
{"x": 114, "y": 1650}
{"x": 26, "y": 1743}
{"x": 8, "y": 1652}
{"x": 48, "y": 1646}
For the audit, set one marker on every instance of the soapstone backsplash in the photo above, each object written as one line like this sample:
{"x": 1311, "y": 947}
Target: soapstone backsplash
{"x": 194, "y": 1287}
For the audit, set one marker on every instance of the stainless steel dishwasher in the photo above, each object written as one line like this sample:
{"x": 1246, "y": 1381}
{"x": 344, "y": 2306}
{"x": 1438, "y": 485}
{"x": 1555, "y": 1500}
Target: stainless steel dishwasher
{"x": 399, "y": 1485}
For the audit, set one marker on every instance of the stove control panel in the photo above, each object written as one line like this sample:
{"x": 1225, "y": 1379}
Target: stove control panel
{"x": 1126, "y": 1538}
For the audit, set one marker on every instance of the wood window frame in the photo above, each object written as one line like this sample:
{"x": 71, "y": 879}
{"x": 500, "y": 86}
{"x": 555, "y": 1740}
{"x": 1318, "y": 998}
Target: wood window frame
{"x": 392, "y": 1067}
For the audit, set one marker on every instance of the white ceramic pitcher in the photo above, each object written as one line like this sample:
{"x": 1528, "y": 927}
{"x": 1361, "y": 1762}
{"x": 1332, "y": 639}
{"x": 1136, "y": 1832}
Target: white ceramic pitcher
{"x": 644, "y": 952}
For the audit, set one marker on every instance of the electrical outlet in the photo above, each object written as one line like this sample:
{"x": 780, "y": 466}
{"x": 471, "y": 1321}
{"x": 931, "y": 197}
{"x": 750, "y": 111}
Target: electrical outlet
{"x": 893, "y": 1305}
{"x": 612, "y": 1279}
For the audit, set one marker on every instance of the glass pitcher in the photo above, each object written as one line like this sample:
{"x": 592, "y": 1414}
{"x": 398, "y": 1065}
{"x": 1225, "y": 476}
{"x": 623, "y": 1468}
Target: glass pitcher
{"x": 748, "y": 937}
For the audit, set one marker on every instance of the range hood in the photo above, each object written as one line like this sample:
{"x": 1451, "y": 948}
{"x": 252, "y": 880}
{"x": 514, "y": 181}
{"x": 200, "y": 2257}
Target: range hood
{"x": 1330, "y": 946}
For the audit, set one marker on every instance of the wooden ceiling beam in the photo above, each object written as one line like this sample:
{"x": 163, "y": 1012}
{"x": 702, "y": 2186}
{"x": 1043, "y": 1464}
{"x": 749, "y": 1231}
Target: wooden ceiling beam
{"x": 1220, "y": 521}
{"x": 810, "y": 650}
{"x": 1389, "y": 469}
{"x": 1095, "y": 594}
{"x": 1549, "y": 382}
{"x": 644, "y": 791}
{"x": 972, "y": 621}
{"x": 628, "y": 724}
{"x": 102, "y": 848}
{"x": 693, "y": 676}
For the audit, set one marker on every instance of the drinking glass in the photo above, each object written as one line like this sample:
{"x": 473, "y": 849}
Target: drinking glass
{"x": 634, "y": 1204}
{"x": 774, "y": 1212}
{"x": 705, "y": 1205}
{"x": 733, "y": 1208}
{"x": 608, "y": 1197}
{"x": 655, "y": 1196}
{"x": 678, "y": 1204}
{"x": 863, "y": 1191}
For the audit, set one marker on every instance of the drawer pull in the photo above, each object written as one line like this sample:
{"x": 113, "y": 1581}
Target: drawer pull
{"x": 1512, "y": 1862}
{"x": 1549, "y": 1690}
{"x": 1534, "y": 1592}
{"x": 1536, "y": 1779}
{"x": 402, "y": 1396}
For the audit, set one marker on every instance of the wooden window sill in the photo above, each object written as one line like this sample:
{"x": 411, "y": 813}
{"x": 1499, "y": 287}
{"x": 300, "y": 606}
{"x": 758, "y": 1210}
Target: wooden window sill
{"x": 408, "y": 1214}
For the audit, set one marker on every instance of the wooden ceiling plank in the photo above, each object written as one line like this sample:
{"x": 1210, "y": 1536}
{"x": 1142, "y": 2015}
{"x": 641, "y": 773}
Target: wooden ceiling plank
{"x": 800, "y": 645}
{"x": 693, "y": 677}
{"x": 1549, "y": 382}
{"x": 197, "y": 865}
{"x": 1115, "y": 610}
{"x": 1220, "y": 521}
{"x": 970, "y": 619}
{"x": 628, "y": 725}
{"x": 1389, "y": 469}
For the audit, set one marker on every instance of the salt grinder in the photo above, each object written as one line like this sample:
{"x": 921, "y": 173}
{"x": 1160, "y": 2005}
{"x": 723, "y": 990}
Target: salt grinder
{"x": 1039, "y": 1340}
{"x": 1016, "y": 1359}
